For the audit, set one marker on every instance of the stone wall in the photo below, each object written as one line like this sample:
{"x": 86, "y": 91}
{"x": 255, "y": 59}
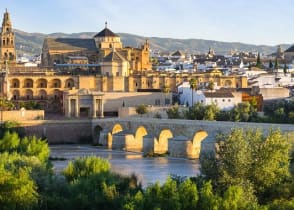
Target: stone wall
{"x": 61, "y": 131}
{"x": 22, "y": 115}
{"x": 274, "y": 93}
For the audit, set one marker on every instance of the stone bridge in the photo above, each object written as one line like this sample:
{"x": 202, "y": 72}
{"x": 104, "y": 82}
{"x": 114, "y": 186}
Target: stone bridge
{"x": 180, "y": 138}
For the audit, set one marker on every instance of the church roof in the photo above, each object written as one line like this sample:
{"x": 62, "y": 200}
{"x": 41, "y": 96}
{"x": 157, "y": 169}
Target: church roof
{"x": 106, "y": 33}
{"x": 290, "y": 49}
{"x": 70, "y": 44}
{"x": 114, "y": 57}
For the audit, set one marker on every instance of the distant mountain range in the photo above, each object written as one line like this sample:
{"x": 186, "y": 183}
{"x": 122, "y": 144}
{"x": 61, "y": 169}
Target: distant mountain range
{"x": 31, "y": 43}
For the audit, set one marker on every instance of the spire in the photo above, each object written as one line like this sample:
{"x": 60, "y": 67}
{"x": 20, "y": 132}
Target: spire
{"x": 105, "y": 24}
{"x": 6, "y": 19}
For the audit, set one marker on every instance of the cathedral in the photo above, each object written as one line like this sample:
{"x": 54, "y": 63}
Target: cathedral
{"x": 92, "y": 77}
{"x": 104, "y": 53}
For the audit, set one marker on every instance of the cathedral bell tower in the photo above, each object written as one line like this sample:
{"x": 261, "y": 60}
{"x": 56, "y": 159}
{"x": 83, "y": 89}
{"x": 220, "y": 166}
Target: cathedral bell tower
{"x": 7, "y": 41}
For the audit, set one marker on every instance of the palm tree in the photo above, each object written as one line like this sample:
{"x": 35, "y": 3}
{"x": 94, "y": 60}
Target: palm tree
{"x": 193, "y": 86}
{"x": 210, "y": 86}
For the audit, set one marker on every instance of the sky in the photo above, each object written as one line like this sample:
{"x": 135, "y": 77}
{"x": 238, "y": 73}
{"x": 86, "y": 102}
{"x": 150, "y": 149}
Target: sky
{"x": 259, "y": 22}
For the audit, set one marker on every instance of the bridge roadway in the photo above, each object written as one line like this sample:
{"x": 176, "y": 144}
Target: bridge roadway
{"x": 177, "y": 129}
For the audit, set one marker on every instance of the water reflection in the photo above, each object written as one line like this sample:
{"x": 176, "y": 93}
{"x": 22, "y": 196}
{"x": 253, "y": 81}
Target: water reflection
{"x": 148, "y": 170}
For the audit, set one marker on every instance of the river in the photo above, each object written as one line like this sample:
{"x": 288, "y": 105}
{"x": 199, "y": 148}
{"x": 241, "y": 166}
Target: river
{"x": 148, "y": 170}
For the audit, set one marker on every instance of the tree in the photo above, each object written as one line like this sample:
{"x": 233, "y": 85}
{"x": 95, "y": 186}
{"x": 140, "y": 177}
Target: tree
{"x": 193, "y": 86}
{"x": 210, "y": 112}
{"x": 84, "y": 167}
{"x": 6, "y": 104}
{"x": 196, "y": 112}
{"x": 249, "y": 159}
{"x": 210, "y": 86}
{"x": 17, "y": 189}
{"x": 173, "y": 112}
{"x": 188, "y": 195}
{"x": 276, "y": 66}
{"x": 270, "y": 65}
{"x": 258, "y": 61}
{"x": 141, "y": 109}
{"x": 285, "y": 69}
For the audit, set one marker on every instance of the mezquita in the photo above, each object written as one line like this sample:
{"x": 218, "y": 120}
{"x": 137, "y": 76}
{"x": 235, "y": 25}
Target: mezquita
{"x": 94, "y": 76}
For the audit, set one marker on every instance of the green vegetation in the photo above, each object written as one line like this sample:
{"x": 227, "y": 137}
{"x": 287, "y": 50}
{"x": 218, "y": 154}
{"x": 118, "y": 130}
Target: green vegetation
{"x": 258, "y": 164}
{"x": 173, "y": 112}
{"x": 258, "y": 62}
{"x": 280, "y": 112}
{"x": 6, "y": 105}
{"x": 249, "y": 171}
{"x": 142, "y": 109}
{"x": 30, "y": 105}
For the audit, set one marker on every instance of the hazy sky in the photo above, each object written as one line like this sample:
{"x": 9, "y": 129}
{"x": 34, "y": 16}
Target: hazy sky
{"x": 248, "y": 21}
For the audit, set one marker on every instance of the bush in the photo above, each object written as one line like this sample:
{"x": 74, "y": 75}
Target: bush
{"x": 141, "y": 109}
{"x": 173, "y": 112}
{"x": 84, "y": 167}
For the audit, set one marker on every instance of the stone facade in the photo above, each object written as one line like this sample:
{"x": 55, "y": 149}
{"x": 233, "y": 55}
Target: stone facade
{"x": 7, "y": 42}
{"x": 21, "y": 115}
{"x": 57, "y": 51}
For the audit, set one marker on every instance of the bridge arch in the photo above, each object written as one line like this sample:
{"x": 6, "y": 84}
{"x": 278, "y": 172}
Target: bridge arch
{"x": 198, "y": 137}
{"x": 164, "y": 135}
{"x": 161, "y": 145}
{"x": 117, "y": 128}
{"x": 140, "y": 132}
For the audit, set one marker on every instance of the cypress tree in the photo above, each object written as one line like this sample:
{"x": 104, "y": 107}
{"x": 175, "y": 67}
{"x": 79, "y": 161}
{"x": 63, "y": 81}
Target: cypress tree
{"x": 258, "y": 61}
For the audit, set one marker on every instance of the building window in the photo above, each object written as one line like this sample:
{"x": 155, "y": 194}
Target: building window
{"x": 41, "y": 85}
{"x": 42, "y": 97}
{"x": 117, "y": 74}
{"x": 68, "y": 85}
{"x": 215, "y": 100}
{"x": 229, "y": 100}
{"x": 223, "y": 100}
{"x": 14, "y": 97}
{"x": 55, "y": 97}
{"x": 55, "y": 84}
{"x": 28, "y": 97}
{"x": 14, "y": 85}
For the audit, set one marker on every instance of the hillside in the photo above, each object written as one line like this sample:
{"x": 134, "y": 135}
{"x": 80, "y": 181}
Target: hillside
{"x": 31, "y": 43}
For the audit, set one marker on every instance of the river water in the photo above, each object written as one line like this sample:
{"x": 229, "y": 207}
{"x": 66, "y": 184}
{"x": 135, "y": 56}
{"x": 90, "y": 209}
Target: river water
{"x": 148, "y": 170}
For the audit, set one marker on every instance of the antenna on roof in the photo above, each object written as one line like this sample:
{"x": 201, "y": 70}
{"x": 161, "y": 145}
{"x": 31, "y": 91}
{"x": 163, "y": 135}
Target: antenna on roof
{"x": 6, "y": 10}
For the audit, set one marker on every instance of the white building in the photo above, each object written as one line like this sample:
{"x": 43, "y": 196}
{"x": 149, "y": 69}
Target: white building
{"x": 278, "y": 79}
{"x": 225, "y": 100}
